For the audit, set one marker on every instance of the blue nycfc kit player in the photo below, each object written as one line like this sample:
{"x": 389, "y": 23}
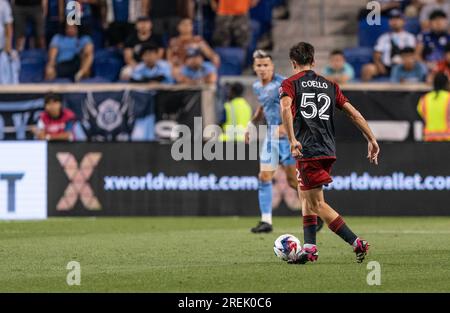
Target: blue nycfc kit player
{"x": 275, "y": 149}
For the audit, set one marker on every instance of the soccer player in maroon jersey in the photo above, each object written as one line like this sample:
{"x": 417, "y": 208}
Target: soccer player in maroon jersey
{"x": 308, "y": 103}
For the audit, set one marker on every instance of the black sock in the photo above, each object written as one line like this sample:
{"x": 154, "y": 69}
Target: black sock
{"x": 341, "y": 229}
{"x": 309, "y": 229}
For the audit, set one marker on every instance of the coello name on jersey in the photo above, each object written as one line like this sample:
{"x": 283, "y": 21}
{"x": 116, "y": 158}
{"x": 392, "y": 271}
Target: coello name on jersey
{"x": 315, "y": 84}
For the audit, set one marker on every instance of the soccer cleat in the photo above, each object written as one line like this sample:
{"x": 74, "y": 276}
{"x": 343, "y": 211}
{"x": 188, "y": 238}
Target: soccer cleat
{"x": 262, "y": 227}
{"x": 360, "y": 247}
{"x": 319, "y": 224}
{"x": 306, "y": 255}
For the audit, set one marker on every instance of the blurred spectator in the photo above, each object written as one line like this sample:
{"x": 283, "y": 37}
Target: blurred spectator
{"x": 178, "y": 46}
{"x": 410, "y": 70}
{"x": 54, "y": 19}
{"x": 70, "y": 55}
{"x": 427, "y": 9}
{"x": 443, "y": 65}
{"x": 338, "y": 69}
{"x": 387, "y": 6}
{"x": 431, "y": 45}
{"x": 133, "y": 45}
{"x": 56, "y": 122}
{"x": 281, "y": 10}
{"x": 6, "y": 26}
{"x": 433, "y": 107}
{"x": 152, "y": 68}
{"x": 413, "y": 8}
{"x": 238, "y": 114}
{"x": 196, "y": 70}
{"x": 232, "y": 27}
{"x": 29, "y": 11}
{"x": 166, "y": 14}
{"x": 9, "y": 59}
{"x": 119, "y": 17}
{"x": 387, "y": 48}
{"x": 67, "y": 7}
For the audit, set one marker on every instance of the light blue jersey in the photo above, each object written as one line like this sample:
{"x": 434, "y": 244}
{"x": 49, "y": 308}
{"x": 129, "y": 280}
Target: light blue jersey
{"x": 274, "y": 150}
{"x": 269, "y": 99}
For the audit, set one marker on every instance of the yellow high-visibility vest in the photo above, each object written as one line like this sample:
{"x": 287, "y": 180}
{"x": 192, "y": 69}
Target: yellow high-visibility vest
{"x": 434, "y": 108}
{"x": 238, "y": 114}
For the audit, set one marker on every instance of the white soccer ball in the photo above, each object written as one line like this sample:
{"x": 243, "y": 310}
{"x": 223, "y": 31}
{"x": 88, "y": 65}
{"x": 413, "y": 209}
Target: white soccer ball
{"x": 287, "y": 247}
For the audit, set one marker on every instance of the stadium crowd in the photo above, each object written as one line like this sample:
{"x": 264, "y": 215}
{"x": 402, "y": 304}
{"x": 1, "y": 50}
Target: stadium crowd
{"x": 410, "y": 44}
{"x": 132, "y": 40}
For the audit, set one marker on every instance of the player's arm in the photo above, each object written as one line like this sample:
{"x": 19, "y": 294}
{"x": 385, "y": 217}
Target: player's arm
{"x": 357, "y": 119}
{"x": 256, "y": 118}
{"x": 288, "y": 123}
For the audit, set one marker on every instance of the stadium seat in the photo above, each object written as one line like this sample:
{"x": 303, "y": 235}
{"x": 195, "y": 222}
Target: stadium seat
{"x": 368, "y": 34}
{"x": 107, "y": 64}
{"x": 232, "y": 60}
{"x": 32, "y": 65}
{"x": 357, "y": 57}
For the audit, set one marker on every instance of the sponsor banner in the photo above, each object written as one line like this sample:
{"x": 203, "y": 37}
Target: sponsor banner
{"x": 128, "y": 115}
{"x": 129, "y": 179}
{"x": 411, "y": 179}
{"x": 391, "y": 114}
{"x": 142, "y": 179}
{"x": 23, "y": 180}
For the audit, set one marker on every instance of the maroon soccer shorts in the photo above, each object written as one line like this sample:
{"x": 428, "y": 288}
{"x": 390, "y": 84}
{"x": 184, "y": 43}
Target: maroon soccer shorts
{"x": 314, "y": 173}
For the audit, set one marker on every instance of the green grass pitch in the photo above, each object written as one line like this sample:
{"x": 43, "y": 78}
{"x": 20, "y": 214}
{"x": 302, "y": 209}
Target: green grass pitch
{"x": 217, "y": 255}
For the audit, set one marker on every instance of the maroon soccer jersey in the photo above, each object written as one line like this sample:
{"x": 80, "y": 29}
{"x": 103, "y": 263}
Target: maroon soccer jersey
{"x": 314, "y": 99}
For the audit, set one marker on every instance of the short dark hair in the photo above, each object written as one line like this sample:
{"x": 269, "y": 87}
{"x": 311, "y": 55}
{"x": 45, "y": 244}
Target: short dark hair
{"x": 437, "y": 14}
{"x": 337, "y": 52}
{"x": 440, "y": 82}
{"x": 261, "y": 54}
{"x": 302, "y": 53}
{"x": 407, "y": 50}
{"x": 148, "y": 47}
{"x": 52, "y": 97}
{"x": 236, "y": 90}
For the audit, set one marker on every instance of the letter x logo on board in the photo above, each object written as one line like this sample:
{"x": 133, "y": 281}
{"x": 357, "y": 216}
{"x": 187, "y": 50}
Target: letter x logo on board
{"x": 78, "y": 176}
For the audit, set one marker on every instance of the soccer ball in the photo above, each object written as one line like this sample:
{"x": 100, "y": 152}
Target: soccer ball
{"x": 287, "y": 247}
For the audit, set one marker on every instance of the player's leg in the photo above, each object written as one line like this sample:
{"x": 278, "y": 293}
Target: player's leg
{"x": 310, "y": 220}
{"x": 268, "y": 165}
{"x": 337, "y": 225}
{"x": 289, "y": 166}
{"x": 265, "y": 202}
{"x": 315, "y": 201}
{"x": 310, "y": 216}
{"x": 312, "y": 176}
